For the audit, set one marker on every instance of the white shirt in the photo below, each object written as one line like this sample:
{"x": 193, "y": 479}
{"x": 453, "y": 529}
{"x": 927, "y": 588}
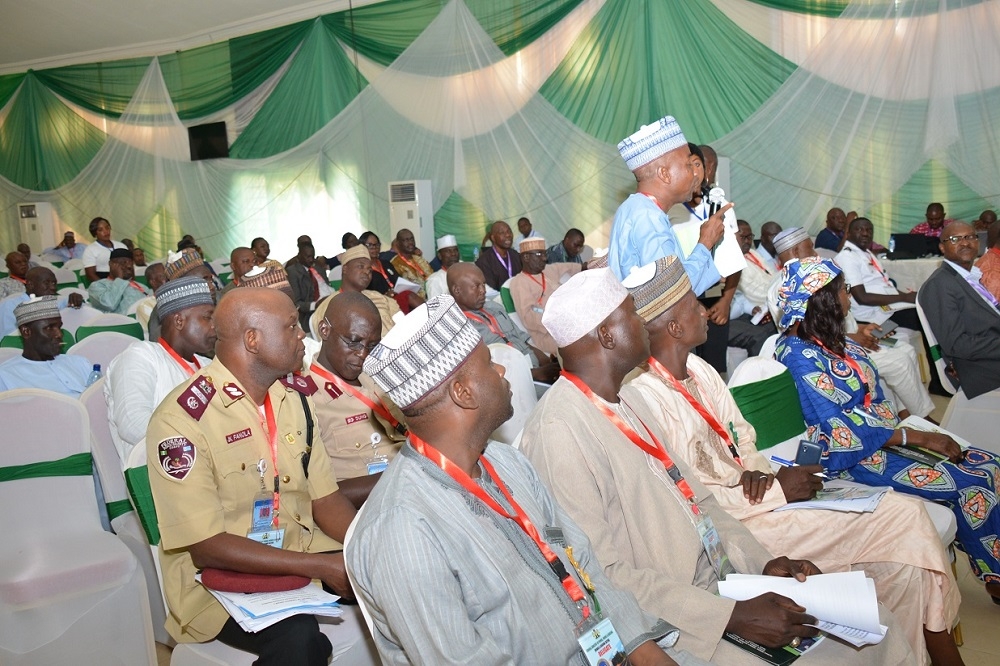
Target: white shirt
{"x": 137, "y": 381}
{"x": 766, "y": 256}
{"x": 97, "y": 255}
{"x": 861, "y": 268}
{"x": 437, "y": 284}
{"x": 755, "y": 280}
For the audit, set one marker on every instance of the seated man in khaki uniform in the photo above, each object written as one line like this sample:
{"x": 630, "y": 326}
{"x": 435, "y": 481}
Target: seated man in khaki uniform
{"x": 230, "y": 468}
{"x": 361, "y": 428}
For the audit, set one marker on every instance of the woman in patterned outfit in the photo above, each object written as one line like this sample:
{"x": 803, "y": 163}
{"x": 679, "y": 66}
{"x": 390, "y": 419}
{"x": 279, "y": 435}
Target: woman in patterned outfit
{"x": 845, "y": 410}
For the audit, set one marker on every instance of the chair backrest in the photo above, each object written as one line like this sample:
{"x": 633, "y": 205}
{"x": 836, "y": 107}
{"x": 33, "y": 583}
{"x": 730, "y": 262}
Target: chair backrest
{"x": 825, "y": 253}
{"x": 109, "y": 319}
{"x": 65, "y": 276}
{"x": 102, "y": 347}
{"x": 8, "y": 352}
{"x": 362, "y": 604}
{"x": 518, "y": 373}
{"x": 937, "y": 356}
{"x": 766, "y": 395}
{"x": 73, "y": 265}
{"x": 506, "y": 298}
{"x": 74, "y": 318}
{"x": 767, "y": 349}
{"x": 132, "y": 330}
{"x": 106, "y": 457}
{"x": 47, "y": 464}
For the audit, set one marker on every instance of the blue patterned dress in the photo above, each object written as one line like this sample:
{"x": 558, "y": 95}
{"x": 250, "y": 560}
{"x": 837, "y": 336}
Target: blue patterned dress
{"x": 832, "y": 398}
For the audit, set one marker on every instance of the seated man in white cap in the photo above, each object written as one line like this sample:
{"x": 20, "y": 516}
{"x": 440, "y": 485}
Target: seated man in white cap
{"x": 659, "y": 157}
{"x": 42, "y": 365}
{"x": 530, "y": 289}
{"x": 468, "y": 287}
{"x": 460, "y": 553}
{"x": 119, "y": 291}
{"x": 642, "y": 507}
{"x": 142, "y": 375}
{"x": 447, "y": 255}
{"x": 361, "y": 429}
{"x": 896, "y": 545}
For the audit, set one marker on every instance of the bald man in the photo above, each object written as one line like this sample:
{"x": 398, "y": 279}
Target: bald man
{"x": 241, "y": 260}
{"x": 216, "y": 472}
{"x": 39, "y": 281}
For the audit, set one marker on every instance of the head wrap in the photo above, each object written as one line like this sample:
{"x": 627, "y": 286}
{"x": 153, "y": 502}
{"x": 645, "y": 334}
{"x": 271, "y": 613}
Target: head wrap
{"x": 181, "y": 263}
{"x": 356, "y": 252}
{"x": 36, "y": 308}
{"x": 799, "y": 281}
{"x": 579, "y": 305}
{"x": 447, "y": 241}
{"x": 184, "y": 292}
{"x": 651, "y": 141}
{"x": 422, "y": 350}
{"x": 270, "y": 276}
{"x": 120, "y": 253}
{"x": 788, "y": 238}
{"x": 533, "y": 244}
{"x": 657, "y": 287}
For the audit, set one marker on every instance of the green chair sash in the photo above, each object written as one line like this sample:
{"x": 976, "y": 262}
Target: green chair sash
{"x": 118, "y": 508}
{"x": 134, "y": 330}
{"x": 78, "y": 464}
{"x": 772, "y": 408}
{"x": 508, "y": 300}
{"x": 137, "y": 480}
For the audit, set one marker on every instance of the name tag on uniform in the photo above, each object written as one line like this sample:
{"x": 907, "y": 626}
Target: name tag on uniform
{"x": 602, "y": 645}
{"x": 378, "y": 465}
{"x": 274, "y": 538}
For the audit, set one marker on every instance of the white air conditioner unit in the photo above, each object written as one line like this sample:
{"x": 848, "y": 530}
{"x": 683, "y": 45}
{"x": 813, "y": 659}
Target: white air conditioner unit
{"x": 39, "y": 227}
{"x": 411, "y": 207}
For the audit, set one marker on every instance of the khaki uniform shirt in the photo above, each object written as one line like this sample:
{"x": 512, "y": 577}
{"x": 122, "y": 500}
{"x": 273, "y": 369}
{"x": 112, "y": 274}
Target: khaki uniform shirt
{"x": 347, "y": 426}
{"x": 208, "y": 433}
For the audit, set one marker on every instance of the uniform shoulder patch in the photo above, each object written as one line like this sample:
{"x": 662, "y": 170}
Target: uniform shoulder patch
{"x": 195, "y": 398}
{"x": 304, "y": 384}
{"x": 176, "y": 456}
{"x": 333, "y": 390}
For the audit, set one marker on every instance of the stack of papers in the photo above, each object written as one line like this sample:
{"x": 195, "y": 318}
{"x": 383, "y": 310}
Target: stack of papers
{"x": 262, "y": 609}
{"x": 844, "y": 604}
{"x": 846, "y": 498}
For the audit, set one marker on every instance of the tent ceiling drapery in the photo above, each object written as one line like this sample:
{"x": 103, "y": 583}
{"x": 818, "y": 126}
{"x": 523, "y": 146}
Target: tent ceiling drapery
{"x": 875, "y": 105}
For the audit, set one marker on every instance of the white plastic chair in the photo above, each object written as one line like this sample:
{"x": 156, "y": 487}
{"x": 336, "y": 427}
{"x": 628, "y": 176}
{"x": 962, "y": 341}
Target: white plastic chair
{"x": 109, "y": 319}
{"x": 73, "y": 265}
{"x": 102, "y": 347}
{"x": 65, "y": 276}
{"x": 73, "y": 318}
{"x": 975, "y": 420}
{"x": 826, "y": 254}
{"x": 524, "y": 398}
{"x": 9, "y": 352}
{"x": 220, "y": 266}
{"x": 126, "y": 525}
{"x": 69, "y": 591}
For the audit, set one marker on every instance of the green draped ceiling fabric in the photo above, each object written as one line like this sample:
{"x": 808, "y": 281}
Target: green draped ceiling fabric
{"x": 513, "y": 107}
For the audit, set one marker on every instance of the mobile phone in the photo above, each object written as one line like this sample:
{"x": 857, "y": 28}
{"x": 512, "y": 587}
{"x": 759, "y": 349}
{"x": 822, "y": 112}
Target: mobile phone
{"x": 888, "y": 326}
{"x": 809, "y": 453}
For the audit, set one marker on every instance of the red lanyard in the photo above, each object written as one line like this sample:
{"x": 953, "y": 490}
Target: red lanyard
{"x": 414, "y": 266}
{"x": 752, "y": 257}
{"x": 377, "y": 265}
{"x": 491, "y": 324}
{"x": 651, "y": 198}
{"x": 135, "y": 285}
{"x": 658, "y": 451}
{"x": 21, "y": 280}
{"x": 180, "y": 361}
{"x": 376, "y": 407}
{"x": 855, "y": 366}
{"x": 540, "y": 284}
{"x": 709, "y": 418}
{"x": 520, "y": 517}
{"x": 271, "y": 427}
{"x": 875, "y": 265}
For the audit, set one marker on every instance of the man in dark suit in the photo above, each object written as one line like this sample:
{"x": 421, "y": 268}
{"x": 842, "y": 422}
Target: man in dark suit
{"x": 306, "y": 282}
{"x": 500, "y": 262}
{"x": 962, "y": 313}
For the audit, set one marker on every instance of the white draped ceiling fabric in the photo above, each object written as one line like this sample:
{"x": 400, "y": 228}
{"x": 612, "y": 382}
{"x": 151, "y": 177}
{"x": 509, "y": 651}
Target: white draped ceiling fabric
{"x": 879, "y": 92}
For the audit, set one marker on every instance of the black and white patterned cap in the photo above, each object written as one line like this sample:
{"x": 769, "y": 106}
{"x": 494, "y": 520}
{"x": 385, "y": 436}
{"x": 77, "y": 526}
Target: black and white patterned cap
{"x": 422, "y": 350}
{"x": 35, "y": 309}
{"x": 182, "y": 293}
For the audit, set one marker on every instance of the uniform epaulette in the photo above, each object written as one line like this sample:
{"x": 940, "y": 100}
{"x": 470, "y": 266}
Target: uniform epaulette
{"x": 195, "y": 398}
{"x": 304, "y": 384}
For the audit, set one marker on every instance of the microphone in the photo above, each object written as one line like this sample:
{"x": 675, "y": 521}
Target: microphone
{"x": 717, "y": 199}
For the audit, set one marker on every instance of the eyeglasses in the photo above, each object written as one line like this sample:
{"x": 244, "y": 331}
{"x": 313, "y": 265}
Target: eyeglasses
{"x": 535, "y": 253}
{"x": 370, "y": 244}
{"x": 358, "y": 346}
{"x": 847, "y": 287}
{"x": 955, "y": 240}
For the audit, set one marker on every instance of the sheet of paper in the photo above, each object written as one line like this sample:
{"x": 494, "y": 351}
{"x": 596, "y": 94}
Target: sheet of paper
{"x": 845, "y": 498}
{"x": 846, "y": 598}
{"x": 402, "y": 284}
{"x": 727, "y": 256}
{"x": 260, "y": 610}
{"x": 856, "y": 637}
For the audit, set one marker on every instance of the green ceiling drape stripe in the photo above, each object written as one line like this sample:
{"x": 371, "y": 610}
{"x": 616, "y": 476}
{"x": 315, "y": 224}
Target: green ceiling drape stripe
{"x": 102, "y": 87}
{"x": 873, "y": 8}
{"x": 319, "y": 83}
{"x": 8, "y": 85}
{"x": 655, "y": 58}
{"x": 832, "y": 8}
{"x": 464, "y": 220}
{"x": 44, "y": 143}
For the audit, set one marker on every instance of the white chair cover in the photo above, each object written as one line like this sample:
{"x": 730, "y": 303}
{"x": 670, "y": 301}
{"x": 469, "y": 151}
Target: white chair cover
{"x": 9, "y": 352}
{"x": 73, "y": 318}
{"x": 102, "y": 347}
{"x": 126, "y": 526}
{"x": 65, "y": 276}
{"x": 69, "y": 591}
{"x": 975, "y": 420}
{"x": 73, "y": 265}
{"x": 939, "y": 364}
{"x": 524, "y": 398}
{"x": 109, "y": 319}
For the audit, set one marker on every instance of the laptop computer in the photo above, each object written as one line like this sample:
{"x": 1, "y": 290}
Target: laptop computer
{"x": 912, "y": 246}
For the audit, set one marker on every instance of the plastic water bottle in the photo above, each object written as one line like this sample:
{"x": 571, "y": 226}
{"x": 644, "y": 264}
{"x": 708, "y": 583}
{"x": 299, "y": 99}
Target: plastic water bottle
{"x": 475, "y": 253}
{"x": 892, "y": 244}
{"x": 95, "y": 374}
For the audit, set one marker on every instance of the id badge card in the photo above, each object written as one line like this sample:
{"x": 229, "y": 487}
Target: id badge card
{"x": 377, "y": 465}
{"x": 274, "y": 537}
{"x": 537, "y": 308}
{"x": 601, "y": 644}
{"x": 262, "y": 528}
{"x": 712, "y": 544}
